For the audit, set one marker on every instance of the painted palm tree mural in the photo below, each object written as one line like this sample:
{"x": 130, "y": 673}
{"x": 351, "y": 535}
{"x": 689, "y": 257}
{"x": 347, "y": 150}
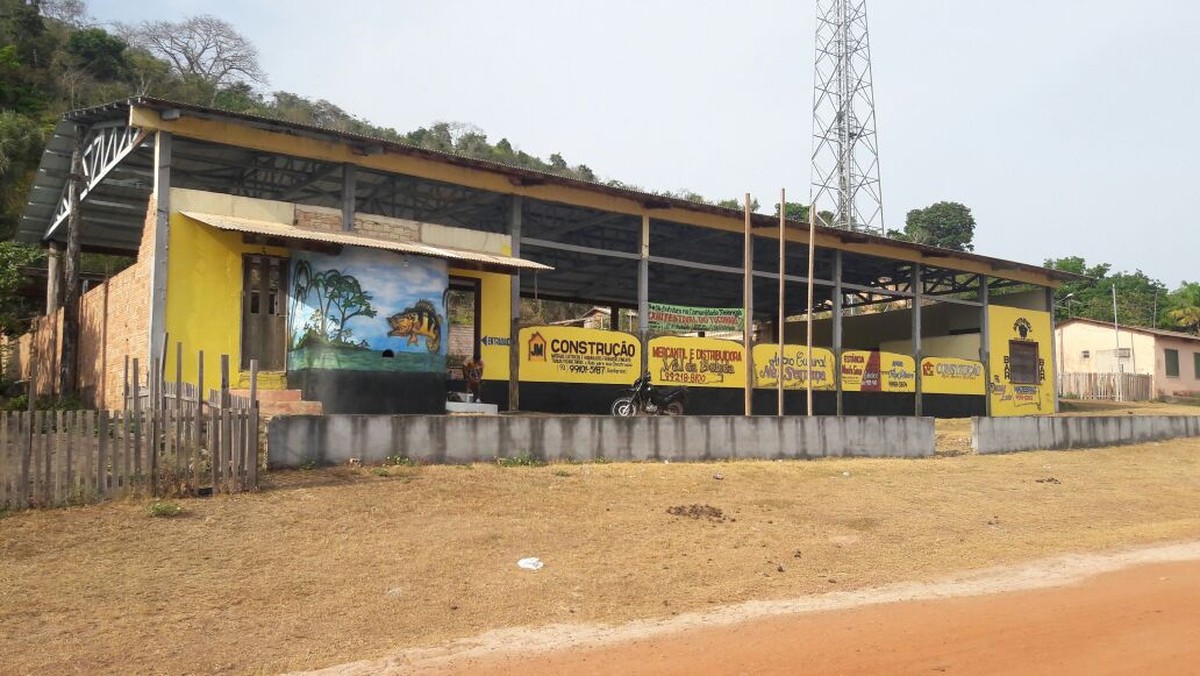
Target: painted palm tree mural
{"x": 366, "y": 310}
{"x": 339, "y": 298}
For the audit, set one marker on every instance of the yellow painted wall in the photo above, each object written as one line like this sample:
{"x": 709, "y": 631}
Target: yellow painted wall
{"x": 495, "y": 308}
{"x": 1009, "y": 398}
{"x": 568, "y": 354}
{"x": 697, "y": 362}
{"x": 204, "y": 298}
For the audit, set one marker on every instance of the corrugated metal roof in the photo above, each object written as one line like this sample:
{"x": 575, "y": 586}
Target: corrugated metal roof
{"x": 269, "y": 229}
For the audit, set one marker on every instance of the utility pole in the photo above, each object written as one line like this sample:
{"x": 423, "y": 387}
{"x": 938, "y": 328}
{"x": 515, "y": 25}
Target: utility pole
{"x": 845, "y": 152}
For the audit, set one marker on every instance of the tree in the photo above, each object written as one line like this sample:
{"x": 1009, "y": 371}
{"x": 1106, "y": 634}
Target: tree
{"x": 201, "y": 48}
{"x": 1137, "y": 294}
{"x": 947, "y": 225}
{"x": 15, "y": 308}
{"x": 1183, "y": 307}
{"x": 739, "y": 204}
{"x": 100, "y": 54}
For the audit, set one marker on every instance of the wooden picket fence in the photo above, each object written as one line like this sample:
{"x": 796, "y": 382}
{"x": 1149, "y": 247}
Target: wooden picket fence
{"x": 1134, "y": 386}
{"x": 164, "y": 446}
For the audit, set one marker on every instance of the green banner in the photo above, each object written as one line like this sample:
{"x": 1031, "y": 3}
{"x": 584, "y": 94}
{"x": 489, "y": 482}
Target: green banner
{"x": 665, "y": 317}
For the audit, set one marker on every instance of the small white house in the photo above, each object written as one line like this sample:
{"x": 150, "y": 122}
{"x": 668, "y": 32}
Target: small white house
{"x": 1169, "y": 360}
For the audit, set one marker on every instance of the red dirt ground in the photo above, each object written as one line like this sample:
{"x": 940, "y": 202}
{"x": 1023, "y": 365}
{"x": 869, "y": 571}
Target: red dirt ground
{"x": 1143, "y": 620}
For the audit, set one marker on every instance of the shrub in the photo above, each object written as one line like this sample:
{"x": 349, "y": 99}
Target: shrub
{"x": 162, "y": 508}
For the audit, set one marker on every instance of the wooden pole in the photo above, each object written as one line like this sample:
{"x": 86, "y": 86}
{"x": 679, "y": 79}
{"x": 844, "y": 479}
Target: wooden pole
{"x": 813, "y": 218}
{"x": 780, "y": 322}
{"x": 748, "y": 307}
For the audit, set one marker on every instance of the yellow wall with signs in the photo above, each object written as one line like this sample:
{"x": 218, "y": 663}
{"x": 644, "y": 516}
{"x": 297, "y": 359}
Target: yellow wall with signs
{"x": 864, "y": 371}
{"x": 946, "y": 375}
{"x": 495, "y": 303}
{"x": 697, "y": 362}
{"x": 1027, "y": 332}
{"x": 566, "y": 354}
{"x": 795, "y": 375}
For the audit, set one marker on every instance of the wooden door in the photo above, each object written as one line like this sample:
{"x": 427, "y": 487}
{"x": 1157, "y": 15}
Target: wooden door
{"x": 264, "y": 320}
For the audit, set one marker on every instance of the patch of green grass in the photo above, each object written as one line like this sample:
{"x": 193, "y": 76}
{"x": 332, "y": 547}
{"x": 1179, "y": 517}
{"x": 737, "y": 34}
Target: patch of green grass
{"x": 380, "y": 471}
{"x": 164, "y": 508}
{"x": 561, "y": 472}
{"x": 399, "y": 460}
{"x": 309, "y": 463}
{"x": 523, "y": 459}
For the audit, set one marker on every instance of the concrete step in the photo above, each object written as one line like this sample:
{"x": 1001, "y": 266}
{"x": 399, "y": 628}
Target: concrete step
{"x": 270, "y": 395}
{"x": 273, "y": 408}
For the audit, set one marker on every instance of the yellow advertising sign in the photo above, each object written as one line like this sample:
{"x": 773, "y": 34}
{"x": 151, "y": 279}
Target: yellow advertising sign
{"x": 864, "y": 371}
{"x": 795, "y": 375}
{"x": 567, "y": 354}
{"x": 697, "y": 362}
{"x": 1019, "y": 348}
{"x": 945, "y": 375}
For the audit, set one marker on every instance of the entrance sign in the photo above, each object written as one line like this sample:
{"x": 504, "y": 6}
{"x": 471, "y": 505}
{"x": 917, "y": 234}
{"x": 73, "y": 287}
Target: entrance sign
{"x": 566, "y": 354}
{"x": 795, "y": 375}
{"x": 864, "y": 371}
{"x": 697, "y": 362}
{"x": 944, "y": 375}
{"x": 663, "y": 317}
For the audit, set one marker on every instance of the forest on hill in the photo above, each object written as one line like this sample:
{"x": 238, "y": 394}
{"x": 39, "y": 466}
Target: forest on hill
{"x": 54, "y": 57}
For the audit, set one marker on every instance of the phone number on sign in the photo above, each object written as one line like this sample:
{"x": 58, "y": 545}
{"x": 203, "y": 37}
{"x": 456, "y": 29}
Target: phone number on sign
{"x": 678, "y": 377}
{"x": 591, "y": 369}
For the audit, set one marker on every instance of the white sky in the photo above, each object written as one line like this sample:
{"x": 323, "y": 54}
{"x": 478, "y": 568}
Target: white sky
{"x": 1069, "y": 127}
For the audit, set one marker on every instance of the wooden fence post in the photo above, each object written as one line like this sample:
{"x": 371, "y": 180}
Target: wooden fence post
{"x": 253, "y": 413}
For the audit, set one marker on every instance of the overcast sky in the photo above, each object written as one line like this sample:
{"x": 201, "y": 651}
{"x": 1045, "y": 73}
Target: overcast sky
{"x": 1069, "y": 127}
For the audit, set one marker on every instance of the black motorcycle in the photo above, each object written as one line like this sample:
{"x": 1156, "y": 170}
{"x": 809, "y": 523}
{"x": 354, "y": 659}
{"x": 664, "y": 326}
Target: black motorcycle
{"x": 646, "y": 398}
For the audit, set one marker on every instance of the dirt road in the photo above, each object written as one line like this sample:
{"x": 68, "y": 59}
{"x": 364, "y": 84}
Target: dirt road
{"x": 1141, "y": 620}
{"x": 1122, "y": 612}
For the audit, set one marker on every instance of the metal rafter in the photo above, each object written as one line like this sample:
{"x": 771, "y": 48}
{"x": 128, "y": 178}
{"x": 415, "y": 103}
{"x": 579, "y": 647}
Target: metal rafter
{"x": 106, "y": 146}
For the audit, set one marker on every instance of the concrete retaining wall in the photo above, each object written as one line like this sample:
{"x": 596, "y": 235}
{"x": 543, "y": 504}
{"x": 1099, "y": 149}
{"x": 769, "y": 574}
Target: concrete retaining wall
{"x": 1004, "y": 435}
{"x": 333, "y": 439}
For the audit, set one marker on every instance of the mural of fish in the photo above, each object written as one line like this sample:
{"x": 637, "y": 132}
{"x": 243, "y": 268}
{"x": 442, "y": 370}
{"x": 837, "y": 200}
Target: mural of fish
{"x": 419, "y": 321}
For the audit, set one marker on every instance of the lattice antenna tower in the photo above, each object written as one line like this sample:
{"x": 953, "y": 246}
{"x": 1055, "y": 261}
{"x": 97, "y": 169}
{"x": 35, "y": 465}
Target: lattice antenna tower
{"x": 845, "y": 157}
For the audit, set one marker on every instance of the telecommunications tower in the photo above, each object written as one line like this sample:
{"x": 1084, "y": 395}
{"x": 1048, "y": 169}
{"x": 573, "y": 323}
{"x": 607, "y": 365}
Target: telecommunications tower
{"x": 845, "y": 153}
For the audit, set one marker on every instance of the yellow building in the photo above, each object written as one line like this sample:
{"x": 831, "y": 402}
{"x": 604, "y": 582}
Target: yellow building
{"x": 335, "y": 261}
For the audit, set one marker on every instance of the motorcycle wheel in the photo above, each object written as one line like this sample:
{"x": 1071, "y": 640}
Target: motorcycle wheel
{"x": 673, "y": 408}
{"x": 624, "y": 407}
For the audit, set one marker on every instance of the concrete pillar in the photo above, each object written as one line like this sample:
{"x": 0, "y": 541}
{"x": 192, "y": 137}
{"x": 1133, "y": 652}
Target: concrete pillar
{"x": 349, "y": 195}
{"x": 644, "y": 294}
{"x": 837, "y": 327}
{"x": 515, "y": 214}
{"x": 158, "y": 264}
{"x": 985, "y": 350}
{"x": 918, "y": 295}
{"x": 54, "y": 277}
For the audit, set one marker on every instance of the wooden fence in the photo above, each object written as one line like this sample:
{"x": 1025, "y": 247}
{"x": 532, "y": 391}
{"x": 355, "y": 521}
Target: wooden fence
{"x": 164, "y": 446}
{"x": 1134, "y": 386}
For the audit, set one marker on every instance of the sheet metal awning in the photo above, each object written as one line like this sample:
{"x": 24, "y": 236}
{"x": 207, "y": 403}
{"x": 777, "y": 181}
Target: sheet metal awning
{"x": 488, "y": 261}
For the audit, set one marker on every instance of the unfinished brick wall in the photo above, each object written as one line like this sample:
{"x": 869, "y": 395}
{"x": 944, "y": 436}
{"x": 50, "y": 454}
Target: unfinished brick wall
{"x": 114, "y": 323}
{"x": 367, "y": 225}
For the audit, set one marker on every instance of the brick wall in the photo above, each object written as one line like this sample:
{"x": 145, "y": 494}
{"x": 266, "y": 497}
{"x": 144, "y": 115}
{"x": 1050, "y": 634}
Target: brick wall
{"x": 114, "y": 323}
{"x": 367, "y": 225}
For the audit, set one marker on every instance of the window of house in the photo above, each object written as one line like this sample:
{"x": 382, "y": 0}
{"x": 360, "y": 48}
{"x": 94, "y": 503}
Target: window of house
{"x": 1023, "y": 362}
{"x": 1172, "y": 359}
{"x": 1087, "y": 354}
{"x": 1196, "y": 364}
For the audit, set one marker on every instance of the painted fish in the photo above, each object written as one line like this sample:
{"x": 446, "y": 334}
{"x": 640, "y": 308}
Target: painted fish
{"x": 419, "y": 321}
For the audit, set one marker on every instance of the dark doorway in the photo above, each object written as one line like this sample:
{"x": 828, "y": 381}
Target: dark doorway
{"x": 264, "y": 321}
{"x": 462, "y": 314}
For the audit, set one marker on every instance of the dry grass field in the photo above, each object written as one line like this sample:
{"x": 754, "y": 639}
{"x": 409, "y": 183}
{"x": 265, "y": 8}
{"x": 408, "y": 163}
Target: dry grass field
{"x": 328, "y": 566}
